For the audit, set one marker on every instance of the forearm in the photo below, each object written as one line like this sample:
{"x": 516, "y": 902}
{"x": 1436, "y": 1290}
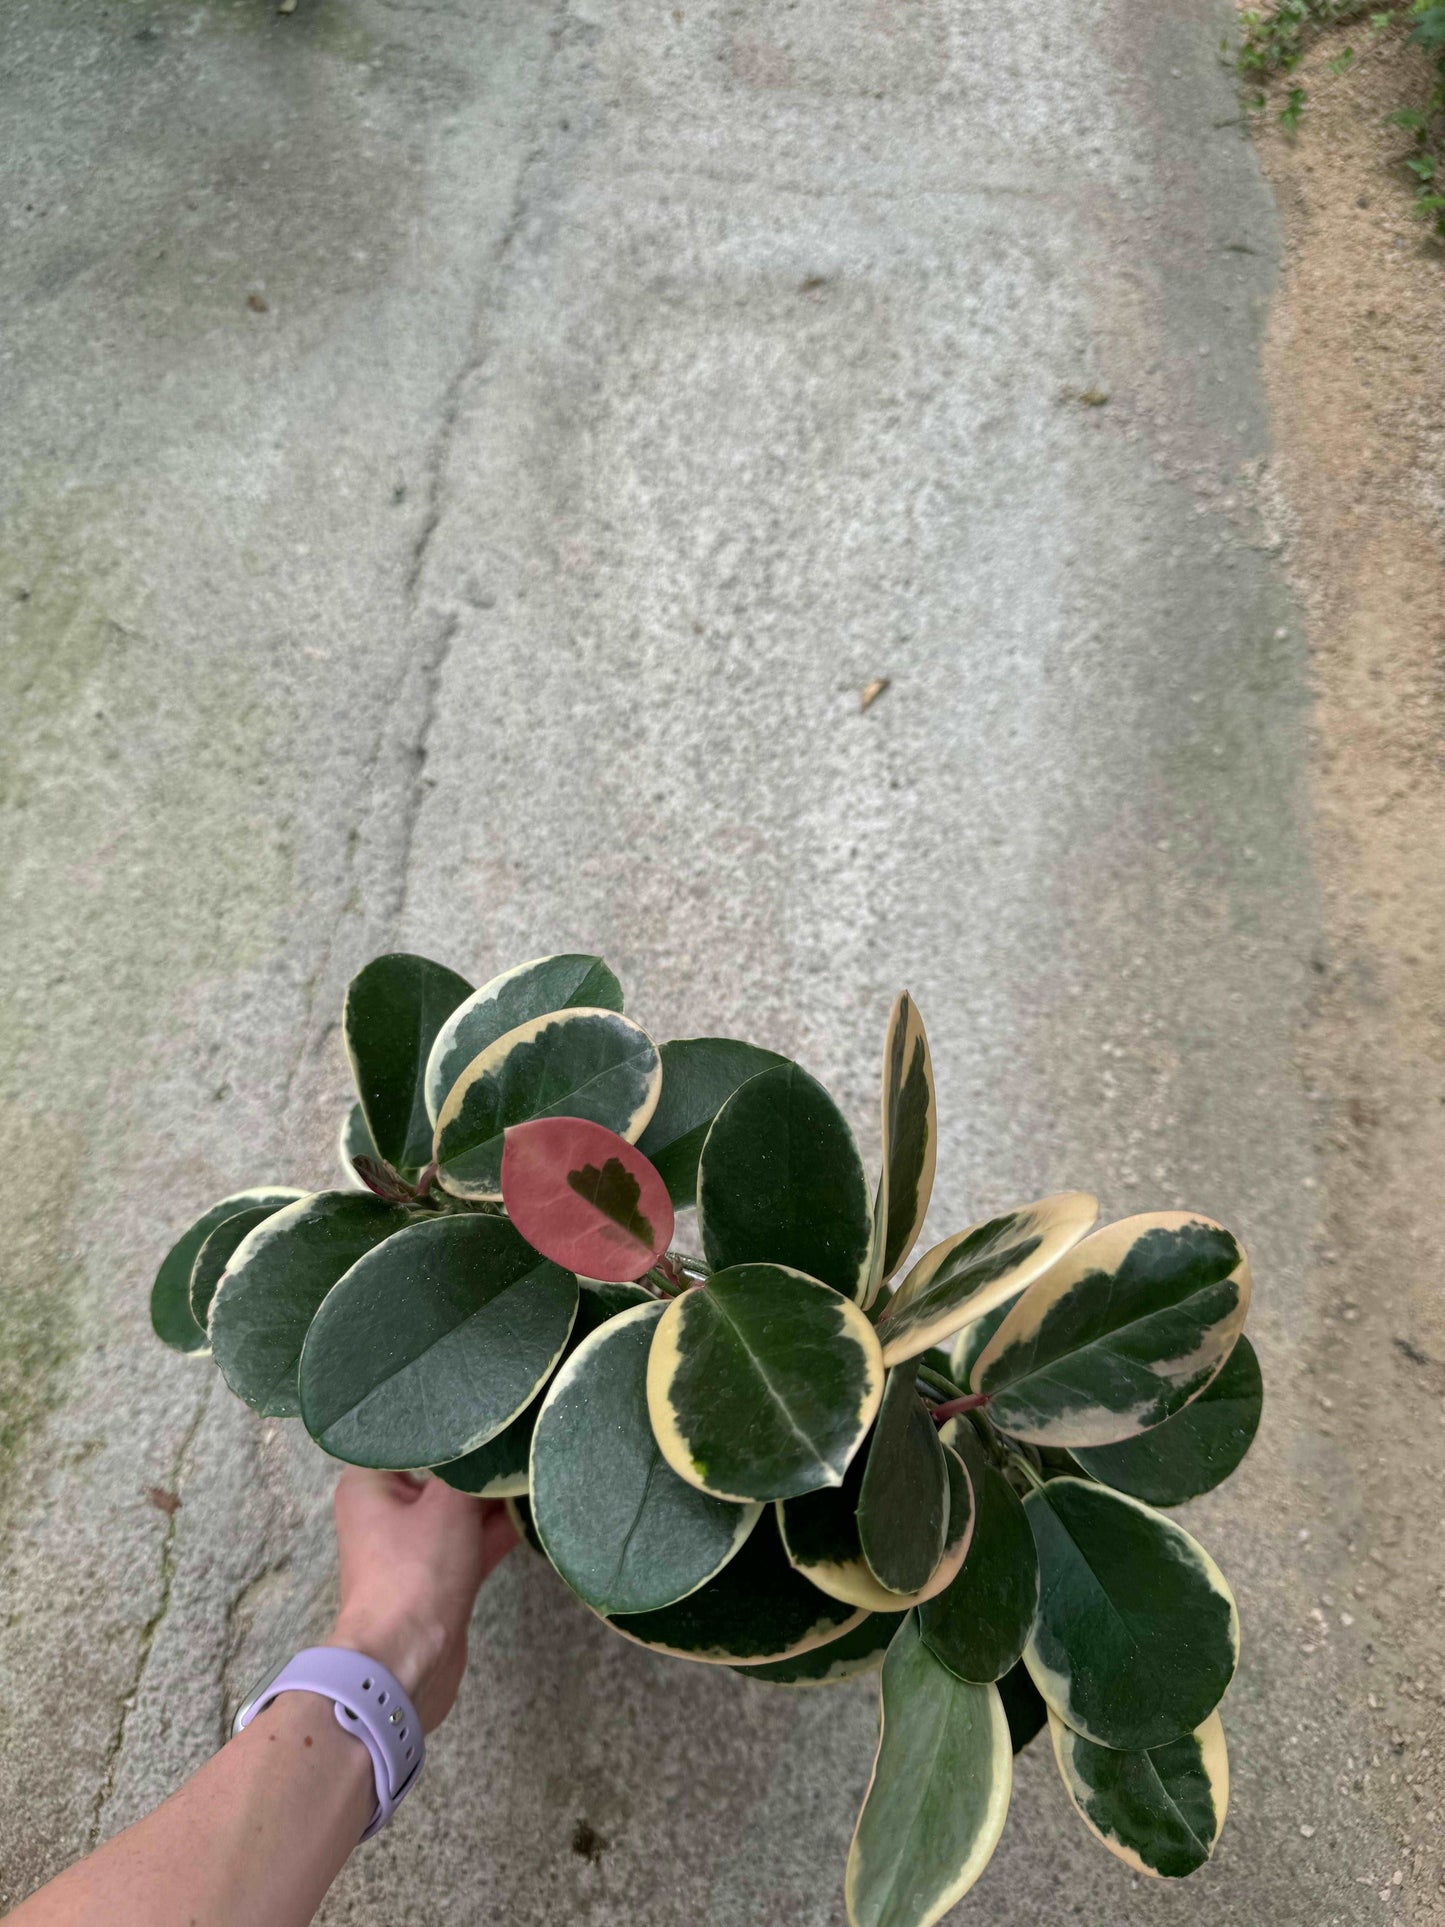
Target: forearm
{"x": 252, "y": 1840}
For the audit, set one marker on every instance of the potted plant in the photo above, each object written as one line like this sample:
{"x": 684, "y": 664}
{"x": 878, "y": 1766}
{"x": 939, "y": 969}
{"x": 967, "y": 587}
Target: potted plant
{"x": 786, "y": 1454}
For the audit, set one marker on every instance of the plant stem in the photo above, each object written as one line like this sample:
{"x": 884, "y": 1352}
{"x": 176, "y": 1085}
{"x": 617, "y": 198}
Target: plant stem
{"x": 967, "y": 1402}
{"x": 936, "y": 1382}
{"x": 1030, "y": 1472}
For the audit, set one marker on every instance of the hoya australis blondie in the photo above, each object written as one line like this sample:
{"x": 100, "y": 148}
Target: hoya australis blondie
{"x": 787, "y": 1454}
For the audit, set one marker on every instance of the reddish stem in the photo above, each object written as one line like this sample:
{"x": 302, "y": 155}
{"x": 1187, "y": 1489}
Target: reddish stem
{"x": 970, "y": 1402}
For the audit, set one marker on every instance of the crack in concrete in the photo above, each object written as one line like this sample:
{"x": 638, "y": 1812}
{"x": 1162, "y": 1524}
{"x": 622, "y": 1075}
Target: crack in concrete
{"x": 230, "y": 1642}
{"x": 152, "y": 1626}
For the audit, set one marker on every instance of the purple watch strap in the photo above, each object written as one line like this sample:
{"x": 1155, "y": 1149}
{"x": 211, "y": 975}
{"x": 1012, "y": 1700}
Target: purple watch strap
{"x": 369, "y": 1703}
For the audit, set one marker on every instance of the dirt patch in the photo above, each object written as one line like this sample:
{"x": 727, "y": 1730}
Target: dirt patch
{"x": 1355, "y": 370}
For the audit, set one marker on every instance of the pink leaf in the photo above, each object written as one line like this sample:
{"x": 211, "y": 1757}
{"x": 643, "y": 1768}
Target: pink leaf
{"x": 585, "y": 1198}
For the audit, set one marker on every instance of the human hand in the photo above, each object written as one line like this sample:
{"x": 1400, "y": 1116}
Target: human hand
{"x": 413, "y": 1554}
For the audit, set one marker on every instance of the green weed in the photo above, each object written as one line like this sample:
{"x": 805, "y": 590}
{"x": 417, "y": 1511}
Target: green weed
{"x": 1274, "y": 42}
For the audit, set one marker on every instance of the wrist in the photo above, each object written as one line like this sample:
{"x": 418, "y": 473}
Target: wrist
{"x": 409, "y": 1648}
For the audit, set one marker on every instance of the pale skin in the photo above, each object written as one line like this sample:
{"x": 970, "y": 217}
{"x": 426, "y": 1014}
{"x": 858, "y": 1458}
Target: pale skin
{"x": 255, "y": 1838}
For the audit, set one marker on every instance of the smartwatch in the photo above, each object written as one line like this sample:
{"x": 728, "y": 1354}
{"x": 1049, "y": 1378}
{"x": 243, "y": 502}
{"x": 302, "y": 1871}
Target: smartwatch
{"x": 369, "y": 1702}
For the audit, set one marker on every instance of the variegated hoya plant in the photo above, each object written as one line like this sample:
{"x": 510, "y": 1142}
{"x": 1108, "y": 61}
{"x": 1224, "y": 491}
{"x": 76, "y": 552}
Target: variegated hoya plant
{"x": 772, "y": 1456}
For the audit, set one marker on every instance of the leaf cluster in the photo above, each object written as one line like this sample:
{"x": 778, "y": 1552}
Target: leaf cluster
{"x": 1274, "y": 42}
{"x": 787, "y": 1454}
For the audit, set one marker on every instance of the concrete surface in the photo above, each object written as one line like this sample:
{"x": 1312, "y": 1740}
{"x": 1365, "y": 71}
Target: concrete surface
{"x": 460, "y": 464}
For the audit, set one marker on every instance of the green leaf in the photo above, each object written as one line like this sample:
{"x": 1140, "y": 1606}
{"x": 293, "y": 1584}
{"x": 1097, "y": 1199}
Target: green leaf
{"x": 850, "y": 1656}
{"x": 216, "y": 1253}
{"x": 979, "y": 1626}
{"x": 1121, "y": 1333}
{"x": 1023, "y": 1703}
{"x": 699, "y": 1075}
{"x": 591, "y": 1064}
{"x": 758, "y": 1609}
{"x": 1137, "y": 1636}
{"x": 1195, "y": 1450}
{"x": 519, "y": 1511}
{"x": 500, "y": 1468}
{"x": 910, "y": 1131}
{"x": 624, "y": 1531}
{"x": 780, "y": 1182}
{"x": 979, "y": 1270}
{"x": 518, "y": 996}
{"x": 355, "y": 1142}
{"x": 820, "y": 1537}
{"x": 433, "y": 1342}
{"x": 762, "y": 1383}
{"x": 903, "y": 1507}
{"x": 969, "y": 1345}
{"x": 393, "y": 1010}
{"x": 275, "y": 1282}
{"x": 939, "y": 1794}
{"x": 171, "y": 1315}
{"x": 1160, "y": 1811}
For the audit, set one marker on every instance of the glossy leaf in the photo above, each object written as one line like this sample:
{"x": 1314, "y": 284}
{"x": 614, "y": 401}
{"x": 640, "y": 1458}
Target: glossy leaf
{"x": 820, "y": 1536}
{"x": 433, "y": 1342}
{"x": 939, "y": 1794}
{"x": 517, "y": 996}
{"x": 699, "y": 1075}
{"x": 393, "y": 1011}
{"x": 762, "y": 1383}
{"x": 851, "y": 1656}
{"x": 354, "y": 1141}
{"x": 171, "y": 1316}
{"x": 590, "y": 1064}
{"x": 1195, "y": 1450}
{"x": 216, "y": 1253}
{"x": 758, "y": 1609}
{"x": 275, "y": 1283}
{"x": 978, "y": 1270}
{"x": 1137, "y": 1636}
{"x": 979, "y": 1625}
{"x": 1024, "y": 1705}
{"x": 780, "y": 1182}
{"x": 1120, "y": 1334}
{"x": 585, "y": 1198}
{"x": 500, "y": 1469}
{"x": 972, "y": 1341}
{"x": 1162, "y": 1811}
{"x": 623, "y": 1530}
{"x": 903, "y": 1506}
{"x": 910, "y": 1131}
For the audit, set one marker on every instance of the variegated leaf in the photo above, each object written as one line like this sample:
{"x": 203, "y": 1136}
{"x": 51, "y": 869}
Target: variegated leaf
{"x": 591, "y": 1064}
{"x": 1161, "y": 1811}
{"x": 624, "y": 1531}
{"x": 171, "y": 1316}
{"x": 757, "y": 1610}
{"x": 939, "y": 1794}
{"x": 275, "y": 1282}
{"x": 1195, "y": 1450}
{"x": 518, "y": 996}
{"x": 585, "y": 1198}
{"x": 910, "y": 1132}
{"x": 851, "y": 1656}
{"x": 820, "y": 1536}
{"x": 1137, "y": 1636}
{"x": 762, "y": 1383}
{"x": 216, "y": 1253}
{"x": 977, "y": 1270}
{"x": 1120, "y": 1334}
